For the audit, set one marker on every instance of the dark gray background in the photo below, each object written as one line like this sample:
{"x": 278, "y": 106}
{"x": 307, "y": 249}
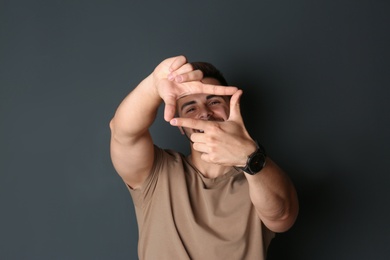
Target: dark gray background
{"x": 316, "y": 82}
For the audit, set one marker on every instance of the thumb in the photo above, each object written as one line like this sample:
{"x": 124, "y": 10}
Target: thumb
{"x": 170, "y": 108}
{"x": 235, "y": 112}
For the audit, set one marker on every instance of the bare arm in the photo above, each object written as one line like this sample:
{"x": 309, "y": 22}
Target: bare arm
{"x": 132, "y": 149}
{"x": 274, "y": 197}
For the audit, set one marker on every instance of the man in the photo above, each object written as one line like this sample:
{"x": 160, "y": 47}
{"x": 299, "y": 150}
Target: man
{"x": 223, "y": 201}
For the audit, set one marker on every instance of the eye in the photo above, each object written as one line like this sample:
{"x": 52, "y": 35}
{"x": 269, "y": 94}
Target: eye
{"x": 214, "y": 102}
{"x": 189, "y": 110}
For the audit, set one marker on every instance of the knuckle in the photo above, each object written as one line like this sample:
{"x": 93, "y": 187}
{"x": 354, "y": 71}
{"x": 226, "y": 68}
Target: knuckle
{"x": 213, "y": 127}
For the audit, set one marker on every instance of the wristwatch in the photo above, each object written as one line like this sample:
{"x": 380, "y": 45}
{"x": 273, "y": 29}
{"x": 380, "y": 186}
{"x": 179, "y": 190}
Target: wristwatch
{"x": 256, "y": 161}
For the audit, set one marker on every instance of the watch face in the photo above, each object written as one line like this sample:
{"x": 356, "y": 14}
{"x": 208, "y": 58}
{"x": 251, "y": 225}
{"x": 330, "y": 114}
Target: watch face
{"x": 257, "y": 162}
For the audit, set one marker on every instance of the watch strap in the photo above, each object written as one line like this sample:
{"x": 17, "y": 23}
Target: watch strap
{"x": 259, "y": 153}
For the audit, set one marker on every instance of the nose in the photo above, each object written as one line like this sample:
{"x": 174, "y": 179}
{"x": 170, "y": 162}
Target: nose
{"x": 205, "y": 113}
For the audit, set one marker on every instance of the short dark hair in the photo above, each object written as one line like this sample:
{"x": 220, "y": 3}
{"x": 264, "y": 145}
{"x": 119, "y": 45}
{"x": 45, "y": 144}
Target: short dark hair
{"x": 209, "y": 71}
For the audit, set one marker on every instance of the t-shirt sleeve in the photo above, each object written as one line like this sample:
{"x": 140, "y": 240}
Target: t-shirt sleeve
{"x": 146, "y": 191}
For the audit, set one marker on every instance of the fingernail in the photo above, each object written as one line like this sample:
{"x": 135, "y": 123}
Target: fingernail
{"x": 173, "y": 122}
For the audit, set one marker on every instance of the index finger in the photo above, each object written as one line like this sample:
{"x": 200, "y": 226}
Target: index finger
{"x": 190, "y": 123}
{"x": 196, "y": 87}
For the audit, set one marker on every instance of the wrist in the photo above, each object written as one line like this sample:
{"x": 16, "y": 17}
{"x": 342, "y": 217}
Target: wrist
{"x": 249, "y": 149}
{"x": 255, "y": 161}
{"x": 152, "y": 90}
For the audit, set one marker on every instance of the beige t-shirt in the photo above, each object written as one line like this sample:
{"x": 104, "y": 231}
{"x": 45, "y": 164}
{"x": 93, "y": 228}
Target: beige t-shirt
{"x": 183, "y": 215}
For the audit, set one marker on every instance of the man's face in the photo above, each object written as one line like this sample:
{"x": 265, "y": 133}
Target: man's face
{"x": 203, "y": 107}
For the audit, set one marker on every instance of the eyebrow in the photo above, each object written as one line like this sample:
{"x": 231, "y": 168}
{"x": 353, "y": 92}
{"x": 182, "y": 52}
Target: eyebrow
{"x": 193, "y": 102}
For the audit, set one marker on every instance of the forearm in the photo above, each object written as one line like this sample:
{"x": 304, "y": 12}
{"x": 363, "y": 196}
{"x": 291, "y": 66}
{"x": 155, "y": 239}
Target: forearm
{"x": 274, "y": 197}
{"x": 137, "y": 112}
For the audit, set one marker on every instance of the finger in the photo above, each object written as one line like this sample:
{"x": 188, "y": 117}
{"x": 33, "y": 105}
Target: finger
{"x": 218, "y": 90}
{"x": 205, "y": 157}
{"x": 195, "y": 87}
{"x": 235, "y": 112}
{"x": 178, "y": 62}
{"x": 200, "y": 147}
{"x": 189, "y": 76}
{"x": 198, "y": 138}
{"x": 185, "y": 68}
{"x": 170, "y": 108}
{"x": 190, "y": 123}
{"x": 169, "y": 112}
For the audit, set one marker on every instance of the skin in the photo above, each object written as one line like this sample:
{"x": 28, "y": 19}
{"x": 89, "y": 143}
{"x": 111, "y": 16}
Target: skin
{"x": 219, "y": 139}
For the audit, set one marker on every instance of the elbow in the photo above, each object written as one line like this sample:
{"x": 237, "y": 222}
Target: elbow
{"x": 111, "y": 124}
{"x": 115, "y": 136}
{"x": 283, "y": 221}
{"x": 114, "y": 130}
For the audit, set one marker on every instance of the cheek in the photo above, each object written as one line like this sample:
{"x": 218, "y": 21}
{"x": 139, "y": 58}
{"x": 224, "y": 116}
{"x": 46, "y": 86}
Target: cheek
{"x": 183, "y": 116}
{"x": 227, "y": 113}
{"x": 179, "y": 114}
{"x": 222, "y": 113}
{"x": 226, "y": 110}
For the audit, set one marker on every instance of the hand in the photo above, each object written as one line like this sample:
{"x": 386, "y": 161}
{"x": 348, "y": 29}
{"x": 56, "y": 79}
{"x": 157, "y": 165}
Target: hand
{"x": 175, "y": 78}
{"x": 226, "y": 143}
{"x": 177, "y": 69}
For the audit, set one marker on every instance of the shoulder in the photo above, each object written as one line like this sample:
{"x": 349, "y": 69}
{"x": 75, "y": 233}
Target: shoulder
{"x": 167, "y": 163}
{"x": 167, "y": 171}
